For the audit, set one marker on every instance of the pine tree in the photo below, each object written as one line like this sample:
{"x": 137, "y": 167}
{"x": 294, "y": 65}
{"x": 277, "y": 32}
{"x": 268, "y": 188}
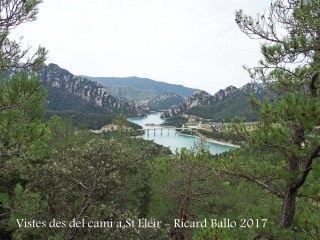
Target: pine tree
{"x": 12, "y": 14}
{"x": 21, "y": 98}
{"x": 290, "y": 34}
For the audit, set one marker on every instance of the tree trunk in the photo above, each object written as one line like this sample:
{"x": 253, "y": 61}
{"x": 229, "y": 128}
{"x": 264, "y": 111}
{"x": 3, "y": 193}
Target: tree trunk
{"x": 289, "y": 207}
{"x": 289, "y": 201}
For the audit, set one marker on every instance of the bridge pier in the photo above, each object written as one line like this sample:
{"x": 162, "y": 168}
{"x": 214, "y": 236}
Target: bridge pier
{"x": 147, "y": 130}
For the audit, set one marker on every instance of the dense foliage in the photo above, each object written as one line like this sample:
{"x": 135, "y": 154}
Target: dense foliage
{"x": 61, "y": 181}
{"x": 175, "y": 121}
{"x": 221, "y": 135}
{"x": 88, "y": 120}
{"x": 290, "y": 68}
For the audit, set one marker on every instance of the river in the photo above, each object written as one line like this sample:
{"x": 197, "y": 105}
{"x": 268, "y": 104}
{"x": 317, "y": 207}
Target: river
{"x": 170, "y": 138}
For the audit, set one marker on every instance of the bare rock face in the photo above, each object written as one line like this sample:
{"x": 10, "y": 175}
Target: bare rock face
{"x": 255, "y": 88}
{"x": 67, "y": 91}
{"x": 222, "y": 94}
{"x": 175, "y": 110}
{"x": 199, "y": 98}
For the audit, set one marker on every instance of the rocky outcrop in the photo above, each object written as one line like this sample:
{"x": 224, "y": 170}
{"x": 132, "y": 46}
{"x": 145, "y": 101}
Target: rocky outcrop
{"x": 258, "y": 88}
{"x": 223, "y": 93}
{"x": 67, "y": 91}
{"x": 175, "y": 110}
{"x": 199, "y": 98}
{"x": 225, "y": 102}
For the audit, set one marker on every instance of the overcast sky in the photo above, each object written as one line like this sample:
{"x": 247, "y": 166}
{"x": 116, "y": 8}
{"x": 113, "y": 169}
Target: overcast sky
{"x": 195, "y": 43}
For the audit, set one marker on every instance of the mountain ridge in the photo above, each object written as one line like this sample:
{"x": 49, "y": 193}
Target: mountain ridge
{"x": 223, "y": 105}
{"x": 164, "y": 101}
{"x": 69, "y": 92}
{"x": 158, "y": 87}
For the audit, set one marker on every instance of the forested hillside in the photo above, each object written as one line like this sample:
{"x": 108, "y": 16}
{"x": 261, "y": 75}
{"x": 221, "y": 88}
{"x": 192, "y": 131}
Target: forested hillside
{"x": 235, "y": 104}
{"x": 68, "y": 92}
{"x": 223, "y": 105}
{"x": 164, "y": 101}
{"x": 86, "y": 120}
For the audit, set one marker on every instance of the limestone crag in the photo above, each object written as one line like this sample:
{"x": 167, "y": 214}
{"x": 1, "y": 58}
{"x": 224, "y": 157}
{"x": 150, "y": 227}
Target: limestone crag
{"x": 67, "y": 91}
{"x": 199, "y": 98}
{"x": 175, "y": 110}
{"x": 223, "y": 93}
{"x": 258, "y": 88}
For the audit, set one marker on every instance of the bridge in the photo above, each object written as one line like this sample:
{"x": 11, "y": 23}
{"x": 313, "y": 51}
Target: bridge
{"x": 160, "y": 129}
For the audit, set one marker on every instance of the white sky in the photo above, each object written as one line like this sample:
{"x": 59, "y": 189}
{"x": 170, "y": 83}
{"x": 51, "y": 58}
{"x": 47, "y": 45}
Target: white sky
{"x": 195, "y": 43}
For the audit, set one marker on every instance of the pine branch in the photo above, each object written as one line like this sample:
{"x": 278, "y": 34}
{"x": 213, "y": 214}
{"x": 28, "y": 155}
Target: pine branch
{"x": 252, "y": 179}
{"x": 307, "y": 168}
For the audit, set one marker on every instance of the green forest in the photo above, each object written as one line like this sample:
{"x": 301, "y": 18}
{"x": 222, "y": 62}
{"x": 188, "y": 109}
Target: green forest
{"x": 58, "y": 180}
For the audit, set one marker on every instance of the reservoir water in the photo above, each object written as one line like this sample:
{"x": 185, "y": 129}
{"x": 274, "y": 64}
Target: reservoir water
{"x": 170, "y": 138}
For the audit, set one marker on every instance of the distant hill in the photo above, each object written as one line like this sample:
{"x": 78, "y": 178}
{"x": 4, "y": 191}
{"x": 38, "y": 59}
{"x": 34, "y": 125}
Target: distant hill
{"x": 144, "y": 83}
{"x": 69, "y": 92}
{"x": 224, "y": 105}
{"x": 164, "y": 101}
{"x": 132, "y": 94}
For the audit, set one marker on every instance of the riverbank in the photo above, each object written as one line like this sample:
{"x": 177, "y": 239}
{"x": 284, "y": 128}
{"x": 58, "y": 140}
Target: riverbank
{"x": 169, "y": 137}
{"x": 218, "y": 141}
{"x": 212, "y": 140}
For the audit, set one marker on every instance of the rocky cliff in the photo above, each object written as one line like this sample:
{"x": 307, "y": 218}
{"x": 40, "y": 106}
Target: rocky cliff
{"x": 224, "y": 104}
{"x": 199, "y": 98}
{"x": 69, "y": 92}
{"x": 224, "y": 93}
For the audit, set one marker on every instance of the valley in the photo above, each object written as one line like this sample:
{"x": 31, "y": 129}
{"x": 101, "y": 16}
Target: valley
{"x": 175, "y": 139}
{"x": 70, "y": 95}
{"x": 96, "y": 104}
{"x": 69, "y": 92}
